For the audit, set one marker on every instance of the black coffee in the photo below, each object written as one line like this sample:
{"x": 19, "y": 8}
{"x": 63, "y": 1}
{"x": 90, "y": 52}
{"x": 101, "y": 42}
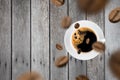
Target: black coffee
{"x": 89, "y": 39}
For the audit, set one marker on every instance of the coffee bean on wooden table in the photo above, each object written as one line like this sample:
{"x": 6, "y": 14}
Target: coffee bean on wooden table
{"x": 30, "y": 76}
{"x": 66, "y": 22}
{"x": 82, "y": 77}
{"x": 98, "y": 46}
{"x": 61, "y": 61}
{"x": 59, "y": 46}
{"x": 114, "y": 15}
{"x": 77, "y": 25}
{"x": 58, "y": 2}
{"x": 114, "y": 63}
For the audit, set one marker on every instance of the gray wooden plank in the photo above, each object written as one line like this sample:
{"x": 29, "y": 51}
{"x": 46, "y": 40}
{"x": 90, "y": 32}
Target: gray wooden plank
{"x": 112, "y": 33}
{"x": 57, "y": 36}
{"x": 76, "y": 67}
{"x": 5, "y": 40}
{"x": 20, "y": 37}
{"x": 40, "y": 37}
{"x": 95, "y": 67}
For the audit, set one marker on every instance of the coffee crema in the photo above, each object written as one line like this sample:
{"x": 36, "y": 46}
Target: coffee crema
{"x": 83, "y": 38}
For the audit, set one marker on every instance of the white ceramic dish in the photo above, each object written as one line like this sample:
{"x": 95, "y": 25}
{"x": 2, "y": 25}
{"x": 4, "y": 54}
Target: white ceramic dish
{"x": 68, "y": 41}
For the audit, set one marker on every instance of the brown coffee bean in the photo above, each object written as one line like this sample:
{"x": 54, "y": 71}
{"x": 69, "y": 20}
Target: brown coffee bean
{"x": 30, "y": 76}
{"x": 58, "y": 2}
{"x": 114, "y": 15}
{"x": 77, "y": 25}
{"x": 98, "y": 46}
{"x": 61, "y": 61}
{"x": 59, "y": 47}
{"x": 82, "y": 77}
{"x": 114, "y": 63}
{"x": 92, "y": 6}
{"x": 66, "y": 22}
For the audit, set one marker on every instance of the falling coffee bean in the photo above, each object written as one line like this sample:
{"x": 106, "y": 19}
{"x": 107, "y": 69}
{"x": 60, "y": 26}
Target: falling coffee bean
{"x": 59, "y": 47}
{"x": 30, "y": 76}
{"x": 82, "y": 77}
{"x": 58, "y": 2}
{"x": 114, "y": 15}
{"x": 61, "y": 61}
{"x": 98, "y": 46}
{"x": 66, "y": 22}
{"x": 114, "y": 63}
{"x": 77, "y": 25}
{"x": 92, "y": 6}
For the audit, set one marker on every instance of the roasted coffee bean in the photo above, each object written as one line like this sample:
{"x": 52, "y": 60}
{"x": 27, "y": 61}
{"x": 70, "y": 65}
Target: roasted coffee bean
{"x": 114, "y": 63}
{"x": 61, "y": 61}
{"x": 58, "y": 2}
{"x": 59, "y": 47}
{"x": 66, "y": 22}
{"x": 92, "y": 6}
{"x": 98, "y": 46}
{"x": 82, "y": 77}
{"x": 77, "y": 25}
{"x": 30, "y": 76}
{"x": 114, "y": 15}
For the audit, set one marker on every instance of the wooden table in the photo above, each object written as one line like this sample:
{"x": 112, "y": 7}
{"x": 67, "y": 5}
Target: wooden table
{"x": 30, "y": 29}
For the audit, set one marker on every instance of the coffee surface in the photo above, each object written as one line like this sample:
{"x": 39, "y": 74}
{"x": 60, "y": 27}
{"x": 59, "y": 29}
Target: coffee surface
{"x": 83, "y": 38}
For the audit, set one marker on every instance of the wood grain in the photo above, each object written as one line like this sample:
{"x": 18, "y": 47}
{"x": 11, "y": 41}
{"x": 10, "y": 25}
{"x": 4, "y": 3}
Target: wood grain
{"x": 57, "y": 36}
{"x": 40, "y": 37}
{"x": 20, "y": 37}
{"x": 76, "y": 67}
{"x": 112, "y": 34}
{"x": 36, "y": 29}
{"x": 95, "y": 67}
{"x": 5, "y": 40}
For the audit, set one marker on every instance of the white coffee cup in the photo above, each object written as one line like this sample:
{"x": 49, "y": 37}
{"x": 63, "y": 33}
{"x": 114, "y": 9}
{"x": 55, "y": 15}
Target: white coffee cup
{"x": 68, "y": 40}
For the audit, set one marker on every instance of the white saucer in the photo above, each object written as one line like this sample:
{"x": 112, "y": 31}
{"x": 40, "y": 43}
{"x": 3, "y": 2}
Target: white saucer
{"x": 68, "y": 43}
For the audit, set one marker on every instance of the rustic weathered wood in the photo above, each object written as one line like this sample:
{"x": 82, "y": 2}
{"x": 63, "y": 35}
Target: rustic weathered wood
{"x": 57, "y": 36}
{"x": 40, "y": 37}
{"x": 95, "y": 67}
{"x": 5, "y": 40}
{"x": 76, "y": 67}
{"x": 45, "y": 35}
{"x": 20, "y": 37}
{"x": 112, "y": 33}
